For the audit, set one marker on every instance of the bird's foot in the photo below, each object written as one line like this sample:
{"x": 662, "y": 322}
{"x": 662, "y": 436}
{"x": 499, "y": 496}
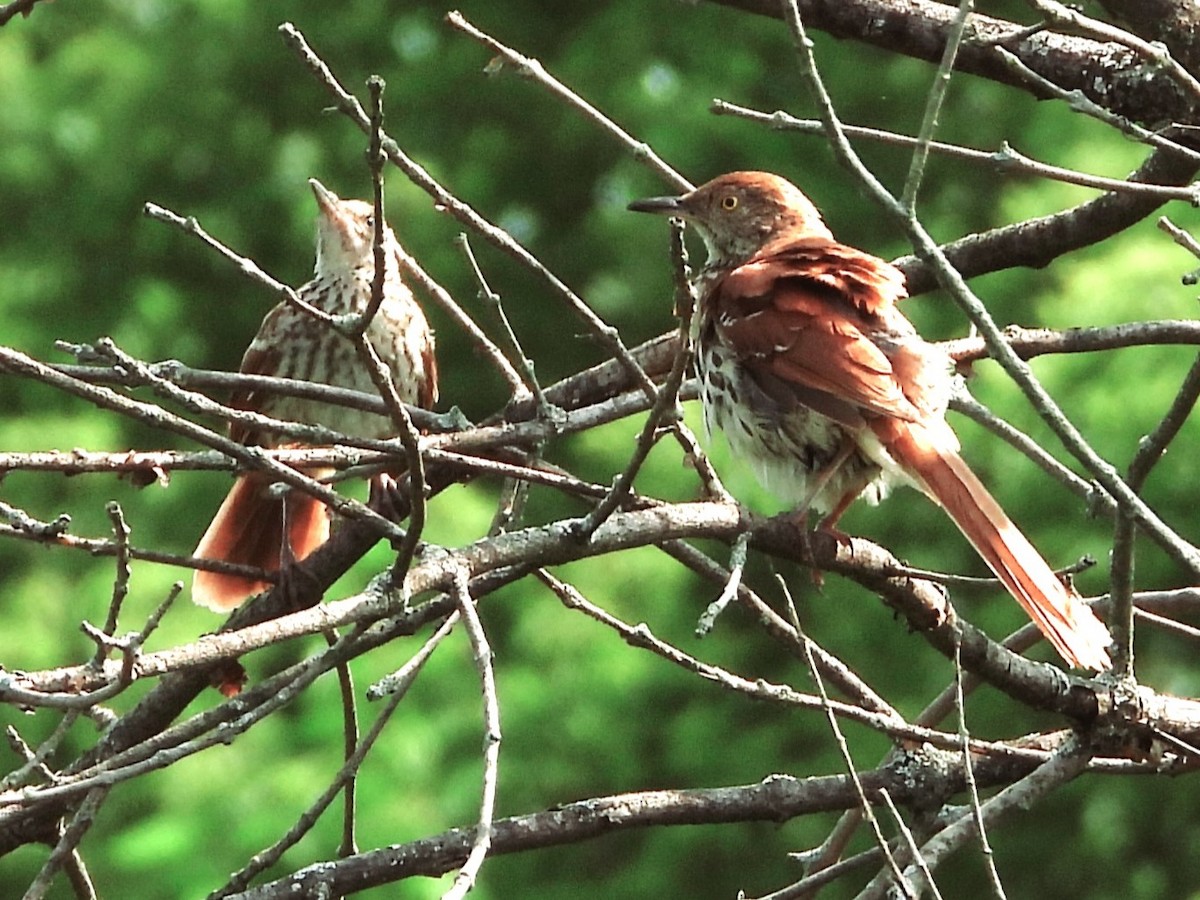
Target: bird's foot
{"x": 387, "y": 497}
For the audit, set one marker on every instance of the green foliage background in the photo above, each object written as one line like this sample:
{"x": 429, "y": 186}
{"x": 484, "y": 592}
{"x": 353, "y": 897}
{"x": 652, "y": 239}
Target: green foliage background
{"x": 198, "y": 106}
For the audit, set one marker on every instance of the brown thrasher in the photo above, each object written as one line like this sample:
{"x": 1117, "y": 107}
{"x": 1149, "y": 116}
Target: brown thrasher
{"x": 258, "y": 526}
{"x": 826, "y": 389}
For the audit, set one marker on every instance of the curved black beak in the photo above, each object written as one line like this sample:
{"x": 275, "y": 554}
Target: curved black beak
{"x": 663, "y": 206}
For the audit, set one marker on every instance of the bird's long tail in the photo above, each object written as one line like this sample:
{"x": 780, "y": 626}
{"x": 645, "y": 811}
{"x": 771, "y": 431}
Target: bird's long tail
{"x": 249, "y": 528}
{"x": 1061, "y": 615}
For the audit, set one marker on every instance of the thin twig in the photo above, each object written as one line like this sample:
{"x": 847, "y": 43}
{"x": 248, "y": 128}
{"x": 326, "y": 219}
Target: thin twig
{"x": 481, "y": 652}
{"x": 1151, "y": 449}
{"x": 687, "y": 310}
{"x": 35, "y": 760}
{"x": 807, "y": 887}
{"x": 68, "y": 843}
{"x": 381, "y": 375}
{"x": 933, "y": 105}
{"x": 529, "y": 383}
{"x": 530, "y": 68}
{"x": 1081, "y": 103}
{"x": 910, "y": 845}
{"x": 865, "y": 807}
{"x": 985, "y": 847}
{"x": 737, "y": 563}
{"x": 183, "y": 376}
{"x": 120, "y": 528}
{"x": 1007, "y": 159}
{"x": 245, "y": 265}
{"x": 641, "y": 637}
{"x": 79, "y": 877}
{"x": 843, "y": 677}
{"x": 665, "y": 411}
{"x": 1184, "y": 240}
{"x": 964, "y": 403}
{"x": 1167, "y": 624}
{"x": 199, "y": 403}
{"x": 350, "y": 738}
{"x": 440, "y": 296}
{"x": 375, "y": 161}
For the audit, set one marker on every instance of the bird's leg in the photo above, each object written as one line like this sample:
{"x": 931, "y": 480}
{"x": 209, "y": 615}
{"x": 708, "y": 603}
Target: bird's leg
{"x": 287, "y": 553}
{"x": 294, "y": 583}
{"x": 829, "y": 523}
{"x": 298, "y": 587}
{"x": 821, "y": 480}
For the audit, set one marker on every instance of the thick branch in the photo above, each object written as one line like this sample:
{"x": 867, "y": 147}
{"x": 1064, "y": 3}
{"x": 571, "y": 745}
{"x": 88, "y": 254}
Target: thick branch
{"x": 909, "y": 779}
{"x": 1174, "y": 22}
{"x": 1036, "y": 243}
{"x": 1108, "y": 74}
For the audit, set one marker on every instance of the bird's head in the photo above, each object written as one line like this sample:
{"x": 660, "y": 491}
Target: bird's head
{"x": 740, "y": 213}
{"x": 345, "y": 232}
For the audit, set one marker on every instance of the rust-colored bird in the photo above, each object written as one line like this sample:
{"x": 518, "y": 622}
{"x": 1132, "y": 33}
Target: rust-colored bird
{"x": 255, "y": 525}
{"x": 826, "y": 389}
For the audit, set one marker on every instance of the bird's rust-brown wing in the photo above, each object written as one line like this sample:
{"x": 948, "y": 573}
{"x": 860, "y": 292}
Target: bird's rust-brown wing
{"x": 255, "y": 361}
{"x": 427, "y": 394}
{"x": 821, "y": 316}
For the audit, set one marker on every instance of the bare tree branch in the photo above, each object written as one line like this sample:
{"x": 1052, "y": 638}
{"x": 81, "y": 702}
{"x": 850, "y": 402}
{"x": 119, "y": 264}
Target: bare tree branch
{"x": 1110, "y": 74}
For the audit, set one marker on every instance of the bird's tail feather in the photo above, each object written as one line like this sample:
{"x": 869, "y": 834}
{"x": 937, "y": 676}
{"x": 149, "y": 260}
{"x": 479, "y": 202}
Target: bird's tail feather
{"x": 1059, "y": 613}
{"x": 249, "y": 529}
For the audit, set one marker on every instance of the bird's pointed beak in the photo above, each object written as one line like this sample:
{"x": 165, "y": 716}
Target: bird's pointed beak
{"x": 327, "y": 200}
{"x": 663, "y": 206}
{"x": 334, "y": 218}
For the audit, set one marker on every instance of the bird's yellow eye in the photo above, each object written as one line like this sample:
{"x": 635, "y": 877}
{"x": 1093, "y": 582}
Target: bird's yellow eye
{"x": 729, "y": 202}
